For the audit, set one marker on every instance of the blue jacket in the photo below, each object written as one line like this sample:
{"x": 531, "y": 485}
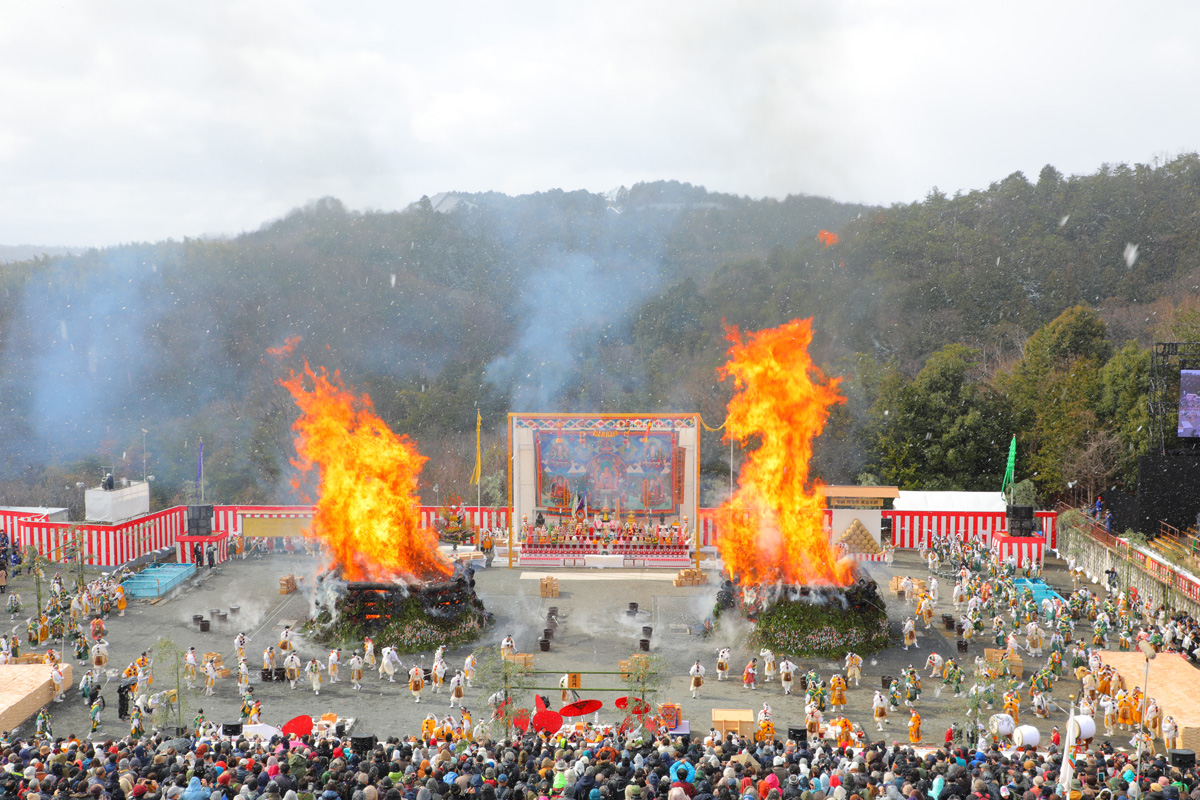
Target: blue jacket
{"x": 195, "y": 791}
{"x": 685, "y": 767}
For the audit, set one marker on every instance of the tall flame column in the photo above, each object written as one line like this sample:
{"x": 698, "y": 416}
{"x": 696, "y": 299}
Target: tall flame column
{"x": 772, "y": 529}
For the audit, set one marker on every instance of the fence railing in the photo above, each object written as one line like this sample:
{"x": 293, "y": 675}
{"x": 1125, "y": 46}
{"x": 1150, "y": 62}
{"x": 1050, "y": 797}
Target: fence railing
{"x": 1156, "y": 568}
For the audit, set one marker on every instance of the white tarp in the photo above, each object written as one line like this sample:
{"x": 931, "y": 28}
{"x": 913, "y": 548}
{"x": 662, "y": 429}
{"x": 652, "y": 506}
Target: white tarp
{"x": 51, "y": 514}
{"x": 118, "y": 505}
{"x": 949, "y": 501}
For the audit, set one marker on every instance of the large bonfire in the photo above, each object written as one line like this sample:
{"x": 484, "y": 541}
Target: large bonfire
{"x": 772, "y": 528}
{"x": 366, "y": 508}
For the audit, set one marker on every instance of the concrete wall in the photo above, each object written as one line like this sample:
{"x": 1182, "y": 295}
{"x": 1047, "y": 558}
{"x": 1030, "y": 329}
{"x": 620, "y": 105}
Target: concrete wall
{"x": 1097, "y": 558}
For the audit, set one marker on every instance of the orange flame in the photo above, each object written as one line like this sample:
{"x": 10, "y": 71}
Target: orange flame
{"x": 772, "y": 529}
{"x": 286, "y": 349}
{"x": 367, "y": 506}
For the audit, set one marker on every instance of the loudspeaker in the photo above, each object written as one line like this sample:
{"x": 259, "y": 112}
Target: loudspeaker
{"x": 1020, "y": 512}
{"x": 797, "y": 735}
{"x": 1021, "y": 527}
{"x": 362, "y": 745}
{"x": 200, "y": 513}
{"x": 1021, "y": 521}
{"x": 1183, "y": 759}
{"x": 231, "y": 729}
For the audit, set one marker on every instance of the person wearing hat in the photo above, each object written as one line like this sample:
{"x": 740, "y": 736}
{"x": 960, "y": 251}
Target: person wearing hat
{"x": 750, "y": 675}
{"x": 697, "y": 678}
{"x": 313, "y": 669}
{"x": 335, "y": 660}
{"x": 416, "y": 682}
{"x": 356, "y": 671}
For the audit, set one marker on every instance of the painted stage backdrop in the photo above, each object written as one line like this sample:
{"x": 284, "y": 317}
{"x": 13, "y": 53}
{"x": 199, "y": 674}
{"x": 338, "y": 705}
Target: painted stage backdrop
{"x": 638, "y": 472}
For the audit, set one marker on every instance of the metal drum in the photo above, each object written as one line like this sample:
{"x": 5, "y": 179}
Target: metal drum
{"x": 1001, "y": 725}
{"x": 1026, "y": 736}
{"x": 1084, "y": 727}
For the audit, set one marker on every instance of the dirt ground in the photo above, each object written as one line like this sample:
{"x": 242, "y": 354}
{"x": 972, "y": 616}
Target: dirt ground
{"x": 595, "y": 631}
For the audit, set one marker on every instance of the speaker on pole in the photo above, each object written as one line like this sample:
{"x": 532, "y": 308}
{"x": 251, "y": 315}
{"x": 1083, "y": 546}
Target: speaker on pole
{"x": 231, "y": 729}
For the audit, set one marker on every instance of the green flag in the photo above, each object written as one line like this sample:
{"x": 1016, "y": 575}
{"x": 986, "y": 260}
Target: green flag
{"x": 1012, "y": 466}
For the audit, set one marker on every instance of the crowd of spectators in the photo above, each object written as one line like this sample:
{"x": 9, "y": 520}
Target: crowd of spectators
{"x": 158, "y": 768}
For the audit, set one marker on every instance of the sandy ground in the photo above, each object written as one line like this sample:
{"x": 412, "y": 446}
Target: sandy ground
{"x": 595, "y": 632}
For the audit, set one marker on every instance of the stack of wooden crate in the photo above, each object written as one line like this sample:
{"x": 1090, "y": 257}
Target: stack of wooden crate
{"x": 524, "y": 659}
{"x": 287, "y": 584}
{"x": 894, "y": 585}
{"x": 994, "y": 656}
{"x": 690, "y": 577}
{"x": 219, "y": 663}
{"x": 627, "y": 665}
{"x": 548, "y": 586}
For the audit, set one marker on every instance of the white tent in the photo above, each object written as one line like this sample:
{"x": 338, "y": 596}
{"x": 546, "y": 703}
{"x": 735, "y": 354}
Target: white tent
{"x": 949, "y": 501}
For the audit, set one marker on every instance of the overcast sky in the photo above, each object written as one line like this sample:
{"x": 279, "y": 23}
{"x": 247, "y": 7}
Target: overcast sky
{"x": 126, "y": 121}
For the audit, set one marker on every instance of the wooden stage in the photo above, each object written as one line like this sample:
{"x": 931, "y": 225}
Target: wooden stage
{"x": 1174, "y": 683}
{"x": 24, "y": 689}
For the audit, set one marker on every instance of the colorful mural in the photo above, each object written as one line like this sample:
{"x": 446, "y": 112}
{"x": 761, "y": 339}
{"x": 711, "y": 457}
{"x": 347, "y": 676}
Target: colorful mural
{"x": 626, "y": 471}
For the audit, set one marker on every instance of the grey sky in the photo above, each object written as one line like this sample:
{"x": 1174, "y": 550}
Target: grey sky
{"x": 145, "y": 120}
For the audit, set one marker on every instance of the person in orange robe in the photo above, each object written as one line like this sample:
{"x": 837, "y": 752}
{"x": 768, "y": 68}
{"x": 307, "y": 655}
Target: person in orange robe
{"x": 837, "y": 691}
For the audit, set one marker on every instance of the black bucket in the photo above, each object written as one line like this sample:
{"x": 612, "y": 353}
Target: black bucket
{"x": 886, "y": 682}
{"x": 233, "y": 610}
{"x": 632, "y": 610}
{"x": 544, "y": 645}
{"x": 548, "y": 633}
{"x": 280, "y": 674}
{"x": 644, "y": 645}
{"x": 948, "y": 621}
{"x": 204, "y": 625}
{"x": 962, "y": 645}
{"x": 647, "y": 631}
{"x": 551, "y": 621}
{"x": 196, "y": 618}
{"x": 552, "y": 611}
{"x": 223, "y": 616}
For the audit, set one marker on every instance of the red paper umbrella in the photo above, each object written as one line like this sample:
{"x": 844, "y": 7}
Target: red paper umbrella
{"x": 545, "y": 719}
{"x": 635, "y": 705}
{"x": 520, "y": 719}
{"x": 580, "y": 707}
{"x": 301, "y": 725}
{"x": 548, "y": 721}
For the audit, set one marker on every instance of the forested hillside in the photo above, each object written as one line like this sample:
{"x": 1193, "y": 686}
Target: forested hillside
{"x": 957, "y": 321}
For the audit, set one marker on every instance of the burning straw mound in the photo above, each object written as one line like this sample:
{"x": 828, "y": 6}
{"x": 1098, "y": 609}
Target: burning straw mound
{"x": 386, "y": 577}
{"x": 820, "y": 622}
{"x": 410, "y": 617}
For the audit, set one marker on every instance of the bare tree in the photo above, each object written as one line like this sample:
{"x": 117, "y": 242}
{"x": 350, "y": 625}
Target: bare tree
{"x": 1094, "y": 464}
